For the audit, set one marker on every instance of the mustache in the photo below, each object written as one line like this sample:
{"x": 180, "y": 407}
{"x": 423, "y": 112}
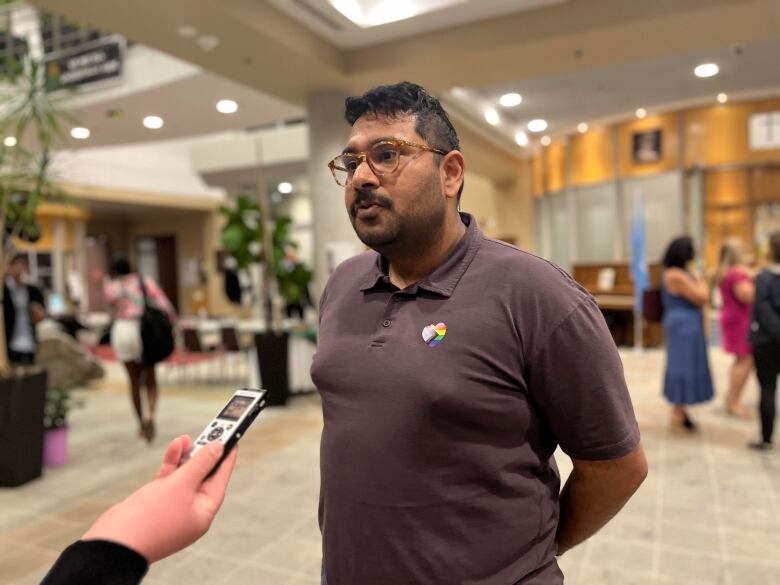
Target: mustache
{"x": 365, "y": 198}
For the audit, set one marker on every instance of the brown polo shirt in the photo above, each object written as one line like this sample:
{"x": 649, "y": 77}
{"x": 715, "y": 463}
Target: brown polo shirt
{"x": 443, "y": 404}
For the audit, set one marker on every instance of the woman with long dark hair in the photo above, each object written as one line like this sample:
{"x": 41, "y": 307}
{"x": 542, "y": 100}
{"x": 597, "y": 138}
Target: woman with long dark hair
{"x": 126, "y": 299}
{"x": 687, "y": 380}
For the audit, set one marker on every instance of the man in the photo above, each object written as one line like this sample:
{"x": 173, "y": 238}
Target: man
{"x": 23, "y": 307}
{"x": 450, "y": 366}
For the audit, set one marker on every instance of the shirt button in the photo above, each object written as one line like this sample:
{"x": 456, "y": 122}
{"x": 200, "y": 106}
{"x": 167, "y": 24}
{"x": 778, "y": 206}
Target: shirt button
{"x": 386, "y": 323}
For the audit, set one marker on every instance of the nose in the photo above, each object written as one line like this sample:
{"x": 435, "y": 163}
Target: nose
{"x": 364, "y": 176}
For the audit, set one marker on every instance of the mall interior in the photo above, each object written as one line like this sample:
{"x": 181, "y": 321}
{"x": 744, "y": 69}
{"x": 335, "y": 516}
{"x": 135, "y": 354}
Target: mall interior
{"x": 594, "y": 132}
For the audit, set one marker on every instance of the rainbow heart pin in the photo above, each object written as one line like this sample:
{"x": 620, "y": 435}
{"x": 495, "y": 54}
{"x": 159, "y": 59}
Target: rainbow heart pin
{"x": 433, "y": 334}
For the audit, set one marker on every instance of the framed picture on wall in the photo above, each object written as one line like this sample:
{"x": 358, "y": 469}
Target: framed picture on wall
{"x": 647, "y": 146}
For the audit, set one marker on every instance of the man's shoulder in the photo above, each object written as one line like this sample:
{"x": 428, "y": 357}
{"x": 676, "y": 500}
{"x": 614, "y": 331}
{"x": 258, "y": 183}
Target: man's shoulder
{"x": 525, "y": 269}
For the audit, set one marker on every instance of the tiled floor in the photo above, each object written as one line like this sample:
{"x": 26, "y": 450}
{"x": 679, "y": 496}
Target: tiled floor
{"x": 709, "y": 513}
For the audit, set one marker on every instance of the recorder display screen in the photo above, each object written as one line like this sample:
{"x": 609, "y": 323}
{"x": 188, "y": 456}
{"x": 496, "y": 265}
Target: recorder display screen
{"x": 236, "y": 407}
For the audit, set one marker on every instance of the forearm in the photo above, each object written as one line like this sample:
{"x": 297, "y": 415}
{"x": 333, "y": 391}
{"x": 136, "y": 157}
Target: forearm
{"x": 594, "y": 493}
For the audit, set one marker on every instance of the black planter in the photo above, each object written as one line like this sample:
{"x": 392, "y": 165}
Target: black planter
{"x": 22, "y": 400}
{"x": 272, "y": 356}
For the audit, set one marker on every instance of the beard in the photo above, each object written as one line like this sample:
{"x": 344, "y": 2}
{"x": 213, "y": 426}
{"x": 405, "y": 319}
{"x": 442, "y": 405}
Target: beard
{"x": 385, "y": 230}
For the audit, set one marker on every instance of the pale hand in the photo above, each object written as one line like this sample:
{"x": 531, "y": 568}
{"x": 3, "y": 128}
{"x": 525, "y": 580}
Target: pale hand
{"x": 173, "y": 511}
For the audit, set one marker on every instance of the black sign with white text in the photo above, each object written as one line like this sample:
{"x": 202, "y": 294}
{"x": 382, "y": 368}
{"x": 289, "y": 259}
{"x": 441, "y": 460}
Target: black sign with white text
{"x": 93, "y": 63}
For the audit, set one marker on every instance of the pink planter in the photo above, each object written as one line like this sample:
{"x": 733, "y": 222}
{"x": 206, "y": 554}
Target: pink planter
{"x": 55, "y": 447}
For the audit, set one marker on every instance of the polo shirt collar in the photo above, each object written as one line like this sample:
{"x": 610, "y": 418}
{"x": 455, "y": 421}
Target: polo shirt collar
{"x": 445, "y": 278}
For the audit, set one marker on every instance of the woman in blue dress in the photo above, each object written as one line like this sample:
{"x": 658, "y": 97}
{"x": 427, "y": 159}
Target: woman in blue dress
{"x": 687, "y": 379}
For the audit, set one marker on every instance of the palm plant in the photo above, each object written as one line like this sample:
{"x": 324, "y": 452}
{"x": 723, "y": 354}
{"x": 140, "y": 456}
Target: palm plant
{"x": 31, "y": 119}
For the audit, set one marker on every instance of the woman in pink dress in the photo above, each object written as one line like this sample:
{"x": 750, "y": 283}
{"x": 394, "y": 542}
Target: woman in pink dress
{"x": 737, "y": 290}
{"x": 126, "y": 299}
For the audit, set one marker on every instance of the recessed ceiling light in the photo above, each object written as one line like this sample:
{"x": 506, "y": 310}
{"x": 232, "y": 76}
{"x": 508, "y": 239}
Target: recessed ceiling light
{"x": 491, "y": 116}
{"x": 207, "y": 42}
{"x": 706, "y": 70}
{"x": 641, "y": 113}
{"x": 187, "y": 31}
{"x": 538, "y": 125}
{"x": 546, "y": 141}
{"x": 510, "y": 100}
{"x": 376, "y": 12}
{"x": 722, "y": 98}
{"x": 459, "y": 92}
{"x": 582, "y": 127}
{"x": 79, "y": 133}
{"x": 227, "y": 106}
{"x": 284, "y": 188}
{"x": 10, "y": 141}
{"x": 521, "y": 138}
{"x": 153, "y": 122}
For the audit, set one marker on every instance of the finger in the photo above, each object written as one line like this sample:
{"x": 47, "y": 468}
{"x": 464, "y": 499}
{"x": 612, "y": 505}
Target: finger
{"x": 215, "y": 486}
{"x": 173, "y": 455}
{"x": 196, "y": 469}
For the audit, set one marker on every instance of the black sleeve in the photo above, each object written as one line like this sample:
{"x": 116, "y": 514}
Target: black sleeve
{"x": 97, "y": 562}
{"x": 763, "y": 310}
{"x": 36, "y": 296}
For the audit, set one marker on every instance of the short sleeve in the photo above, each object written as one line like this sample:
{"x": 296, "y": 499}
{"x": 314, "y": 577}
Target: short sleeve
{"x": 577, "y": 383}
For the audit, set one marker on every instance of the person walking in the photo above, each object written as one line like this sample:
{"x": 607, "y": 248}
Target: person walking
{"x": 765, "y": 337}
{"x": 126, "y": 299}
{"x": 737, "y": 290}
{"x": 23, "y": 309}
{"x": 687, "y": 379}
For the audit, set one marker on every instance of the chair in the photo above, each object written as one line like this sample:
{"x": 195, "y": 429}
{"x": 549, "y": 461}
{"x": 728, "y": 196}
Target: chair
{"x": 231, "y": 345}
{"x": 195, "y": 351}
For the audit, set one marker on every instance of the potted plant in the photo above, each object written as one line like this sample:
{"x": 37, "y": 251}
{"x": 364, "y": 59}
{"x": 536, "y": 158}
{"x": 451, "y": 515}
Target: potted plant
{"x": 31, "y": 122}
{"x": 246, "y": 238}
{"x": 59, "y": 402}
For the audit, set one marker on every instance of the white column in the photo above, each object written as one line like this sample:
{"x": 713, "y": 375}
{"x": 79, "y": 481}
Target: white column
{"x": 334, "y": 237}
{"x": 58, "y": 256}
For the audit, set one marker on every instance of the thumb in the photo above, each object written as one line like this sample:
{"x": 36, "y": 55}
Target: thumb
{"x": 196, "y": 469}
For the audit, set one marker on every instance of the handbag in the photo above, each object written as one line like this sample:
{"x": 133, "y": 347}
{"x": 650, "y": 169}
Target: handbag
{"x": 156, "y": 331}
{"x": 652, "y": 306}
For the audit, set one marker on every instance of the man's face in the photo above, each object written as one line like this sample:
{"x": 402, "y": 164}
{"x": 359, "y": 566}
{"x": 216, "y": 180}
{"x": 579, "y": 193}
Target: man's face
{"x": 398, "y": 209}
{"x": 17, "y": 269}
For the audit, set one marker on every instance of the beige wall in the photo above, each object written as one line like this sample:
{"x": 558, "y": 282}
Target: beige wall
{"x": 503, "y": 209}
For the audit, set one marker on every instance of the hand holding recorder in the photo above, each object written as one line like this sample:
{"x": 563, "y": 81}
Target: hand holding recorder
{"x": 176, "y": 509}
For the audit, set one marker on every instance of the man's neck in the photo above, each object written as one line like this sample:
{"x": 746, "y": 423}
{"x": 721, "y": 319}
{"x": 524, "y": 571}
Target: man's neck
{"x": 406, "y": 269}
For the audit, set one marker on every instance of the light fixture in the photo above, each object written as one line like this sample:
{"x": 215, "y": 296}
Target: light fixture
{"x": 153, "y": 122}
{"x": 706, "y": 70}
{"x": 284, "y": 188}
{"x": 491, "y": 116}
{"x": 582, "y": 127}
{"x": 722, "y": 98}
{"x": 546, "y": 141}
{"x": 10, "y": 141}
{"x": 367, "y": 13}
{"x": 227, "y": 106}
{"x": 521, "y": 138}
{"x": 510, "y": 100}
{"x": 79, "y": 133}
{"x": 207, "y": 42}
{"x": 641, "y": 113}
{"x": 537, "y": 125}
{"x": 187, "y": 31}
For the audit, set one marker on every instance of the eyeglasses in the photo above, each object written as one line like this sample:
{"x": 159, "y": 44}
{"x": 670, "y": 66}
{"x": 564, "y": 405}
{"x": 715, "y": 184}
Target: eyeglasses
{"x": 383, "y": 158}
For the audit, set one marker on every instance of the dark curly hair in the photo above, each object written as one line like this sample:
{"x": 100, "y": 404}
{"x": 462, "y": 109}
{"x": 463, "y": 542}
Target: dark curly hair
{"x": 431, "y": 121}
{"x": 679, "y": 252}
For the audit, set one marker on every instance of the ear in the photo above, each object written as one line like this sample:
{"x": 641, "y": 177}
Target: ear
{"x": 451, "y": 170}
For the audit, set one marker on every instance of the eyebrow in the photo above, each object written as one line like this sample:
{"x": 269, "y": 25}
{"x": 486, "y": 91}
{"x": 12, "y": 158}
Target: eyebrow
{"x": 350, "y": 149}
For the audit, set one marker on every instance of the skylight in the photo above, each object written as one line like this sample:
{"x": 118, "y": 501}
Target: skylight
{"x": 368, "y": 13}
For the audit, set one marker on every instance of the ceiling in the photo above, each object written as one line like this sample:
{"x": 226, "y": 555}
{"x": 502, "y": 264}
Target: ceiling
{"x": 322, "y": 18}
{"x": 607, "y": 94}
{"x": 574, "y": 60}
{"x": 188, "y": 108}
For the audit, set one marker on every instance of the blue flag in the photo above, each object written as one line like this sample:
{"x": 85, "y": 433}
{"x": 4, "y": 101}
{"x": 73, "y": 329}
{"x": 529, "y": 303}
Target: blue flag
{"x": 639, "y": 271}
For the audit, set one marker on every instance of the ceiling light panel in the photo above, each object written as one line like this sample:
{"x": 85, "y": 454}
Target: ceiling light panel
{"x": 706, "y": 70}
{"x": 368, "y": 13}
{"x": 510, "y": 100}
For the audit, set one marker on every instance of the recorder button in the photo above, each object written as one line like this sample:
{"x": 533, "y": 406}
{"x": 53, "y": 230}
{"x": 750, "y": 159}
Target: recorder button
{"x": 216, "y": 433}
